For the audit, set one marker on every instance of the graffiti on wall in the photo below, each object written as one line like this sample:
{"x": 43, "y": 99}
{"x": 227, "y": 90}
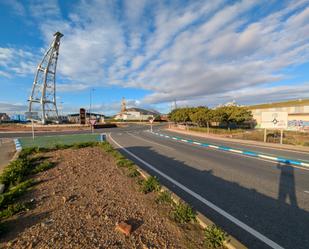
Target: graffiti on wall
{"x": 298, "y": 125}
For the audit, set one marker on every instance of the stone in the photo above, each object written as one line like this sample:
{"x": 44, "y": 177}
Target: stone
{"x": 124, "y": 228}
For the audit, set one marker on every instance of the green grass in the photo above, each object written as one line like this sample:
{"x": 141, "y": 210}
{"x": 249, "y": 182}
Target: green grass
{"x": 164, "y": 197}
{"x": 60, "y": 140}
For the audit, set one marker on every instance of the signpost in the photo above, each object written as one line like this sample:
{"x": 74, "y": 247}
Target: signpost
{"x": 274, "y": 120}
{"x": 32, "y": 116}
{"x": 151, "y": 121}
{"x": 92, "y": 122}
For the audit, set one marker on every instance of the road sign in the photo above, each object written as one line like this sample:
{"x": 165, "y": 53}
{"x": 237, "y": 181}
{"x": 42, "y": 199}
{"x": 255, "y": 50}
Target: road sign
{"x": 151, "y": 121}
{"x": 31, "y": 115}
{"x": 274, "y": 120}
{"x": 93, "y": 121}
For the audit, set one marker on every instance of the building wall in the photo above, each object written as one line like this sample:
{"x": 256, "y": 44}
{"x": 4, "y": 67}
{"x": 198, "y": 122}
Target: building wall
{"x": 298, "y": 116}
{"x": 132, "y": 116}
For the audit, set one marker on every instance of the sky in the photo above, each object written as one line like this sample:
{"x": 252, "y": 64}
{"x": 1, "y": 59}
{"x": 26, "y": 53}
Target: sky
{"x": 154, "y": 52}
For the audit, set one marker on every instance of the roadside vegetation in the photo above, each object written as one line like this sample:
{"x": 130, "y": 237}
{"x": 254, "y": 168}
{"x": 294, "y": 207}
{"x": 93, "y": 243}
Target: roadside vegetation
{"x": 232, "y": 122}
{"x": 225, "y": 116}
{"x": 19, "y": 178}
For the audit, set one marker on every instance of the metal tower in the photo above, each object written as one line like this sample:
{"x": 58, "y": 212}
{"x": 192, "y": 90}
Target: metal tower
{"x": 44, "y": 84}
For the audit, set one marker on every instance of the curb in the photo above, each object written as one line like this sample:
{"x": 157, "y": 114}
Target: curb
{"x": 202, "y": 220}
{"x": 230, "y": 149}
{"x": 17, "y": 144}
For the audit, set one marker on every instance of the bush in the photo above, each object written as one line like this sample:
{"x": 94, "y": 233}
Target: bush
{"x": 43, "y": 166}
{"x": 150, "y": 185}
{"x": 15, "y": 172}
{"x": 164, "y": 197}
{"x": 214, "y": 237}
{"x": 133, "y": 172}
{"x": 183, "y": 213}
{"x": 124, "y": 163}
{"x": 28, "y": 151}
{"x": 13, "y": 193}
{"x": 84, "y": 145}
{"x": 13, "y": 209}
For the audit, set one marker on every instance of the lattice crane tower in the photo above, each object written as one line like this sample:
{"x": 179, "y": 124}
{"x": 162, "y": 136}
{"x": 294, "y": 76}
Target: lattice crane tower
{"x": 44, "y": 85}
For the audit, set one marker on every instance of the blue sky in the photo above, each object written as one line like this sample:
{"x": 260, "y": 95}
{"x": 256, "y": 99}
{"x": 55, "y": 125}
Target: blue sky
{"x": 153, "y": 52}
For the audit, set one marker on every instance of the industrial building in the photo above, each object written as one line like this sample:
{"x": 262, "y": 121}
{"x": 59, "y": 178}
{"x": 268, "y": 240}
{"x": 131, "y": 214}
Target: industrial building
{"x": 297, "y": 110}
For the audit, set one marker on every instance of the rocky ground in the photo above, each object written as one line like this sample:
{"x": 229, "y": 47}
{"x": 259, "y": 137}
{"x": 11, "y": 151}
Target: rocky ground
{"x": 79, "y": 203}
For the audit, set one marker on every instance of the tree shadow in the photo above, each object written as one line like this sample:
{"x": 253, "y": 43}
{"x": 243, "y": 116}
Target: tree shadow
{"x": 285, "y": 224}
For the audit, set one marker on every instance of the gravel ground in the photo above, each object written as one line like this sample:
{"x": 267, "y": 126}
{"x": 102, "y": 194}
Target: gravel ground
{"x": 79, "y": 202}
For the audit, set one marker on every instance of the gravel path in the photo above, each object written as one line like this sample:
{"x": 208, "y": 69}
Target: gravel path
{"x": 80, "y": 201}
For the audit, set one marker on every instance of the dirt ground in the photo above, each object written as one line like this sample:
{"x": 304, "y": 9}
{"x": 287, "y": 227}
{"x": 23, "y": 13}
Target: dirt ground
{"x": 7, "y": 151}
{"x": 79, "y": 202}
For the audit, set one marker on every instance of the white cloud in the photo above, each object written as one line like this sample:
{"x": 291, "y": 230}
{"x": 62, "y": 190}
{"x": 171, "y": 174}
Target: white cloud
{"x": 203, "y": 49}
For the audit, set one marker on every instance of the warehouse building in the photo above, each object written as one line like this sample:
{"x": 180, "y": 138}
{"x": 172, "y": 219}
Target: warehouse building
{"x": 297, "y": 110}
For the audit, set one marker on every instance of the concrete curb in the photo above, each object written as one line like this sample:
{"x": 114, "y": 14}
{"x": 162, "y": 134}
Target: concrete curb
{"x": 203, "y": 221}
{"x": 230, "y": 149}
{"x": 17, "y": 144}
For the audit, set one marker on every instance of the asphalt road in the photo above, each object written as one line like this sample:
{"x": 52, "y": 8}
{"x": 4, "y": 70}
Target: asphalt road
{"x": 270, "y": 198}
{"x": 292, "y": 154}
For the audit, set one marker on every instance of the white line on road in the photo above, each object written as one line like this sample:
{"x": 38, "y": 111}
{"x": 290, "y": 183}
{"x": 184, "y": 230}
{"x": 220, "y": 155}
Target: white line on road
{"x": 306, "y": 191}
{"x": 138, "y": 137}
{"x": 239, "y": 223}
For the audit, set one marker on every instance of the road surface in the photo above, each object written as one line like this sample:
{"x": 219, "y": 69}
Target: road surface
{"x": 270, "y": 199}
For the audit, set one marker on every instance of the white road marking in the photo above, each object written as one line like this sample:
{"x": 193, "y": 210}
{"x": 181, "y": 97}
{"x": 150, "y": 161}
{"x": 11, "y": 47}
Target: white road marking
{"x": 236, "y": 151}
{"x": 143, "y": 139}
{"x": 213, "y": 146}
{"x": 228, "y": 216}
{"x": 197, "y": 143}
{"x": 306, "y": 191}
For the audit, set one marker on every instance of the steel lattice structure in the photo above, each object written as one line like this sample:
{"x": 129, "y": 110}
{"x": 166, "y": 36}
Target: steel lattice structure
{"x": 44, "y": 84}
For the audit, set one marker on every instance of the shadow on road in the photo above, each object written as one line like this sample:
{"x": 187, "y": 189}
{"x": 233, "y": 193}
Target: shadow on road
{"x": 283, "y": 223}
{"x": 287, "y": 184}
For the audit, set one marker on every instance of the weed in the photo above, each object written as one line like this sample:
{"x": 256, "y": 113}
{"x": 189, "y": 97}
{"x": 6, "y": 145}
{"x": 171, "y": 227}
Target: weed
{"x": 150, "y": 185}
{"x": 13, "y": 209}
{"x": 124, "y": 163}
{"x": 183, "y": 213}
{"x": 62, "y": 146}
{"x": 43, "y": 166}
{"x": 15, "y": 172}
{"x": 214, "y": 237}
{"x": 13, "y": 193}
{"x": 133, "y": 172}
{"x": 84, "y": 145}
{"x": 28, "y": 151}
{"x": 106, "y": 147}
{"x": 164, "y": 197}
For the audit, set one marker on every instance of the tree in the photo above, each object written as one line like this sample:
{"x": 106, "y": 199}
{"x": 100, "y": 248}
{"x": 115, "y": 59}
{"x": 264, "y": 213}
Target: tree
{"x": 202, "y": 117}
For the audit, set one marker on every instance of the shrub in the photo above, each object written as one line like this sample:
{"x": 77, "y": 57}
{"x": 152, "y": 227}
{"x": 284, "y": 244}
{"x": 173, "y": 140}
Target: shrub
{"x": 150, "y": 185}
{"x": 183, "y": 213}
{"x": 13, "y": 193}
{"x": 15, "y": 172}
{"x": 133, "y": 172}
{"x": 28, "y": 151}
{"x": 43, "y": 166}
{"x": 214, "y": 237}
{"x": 164, "y": 197}
{"x": 124, "y": 163}
{"x": 84, "y": 145}
{"x": 13, "y": 209}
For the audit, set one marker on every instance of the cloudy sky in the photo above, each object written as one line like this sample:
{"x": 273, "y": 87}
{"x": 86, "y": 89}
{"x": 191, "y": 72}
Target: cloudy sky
{"x": 152, "y": 52}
